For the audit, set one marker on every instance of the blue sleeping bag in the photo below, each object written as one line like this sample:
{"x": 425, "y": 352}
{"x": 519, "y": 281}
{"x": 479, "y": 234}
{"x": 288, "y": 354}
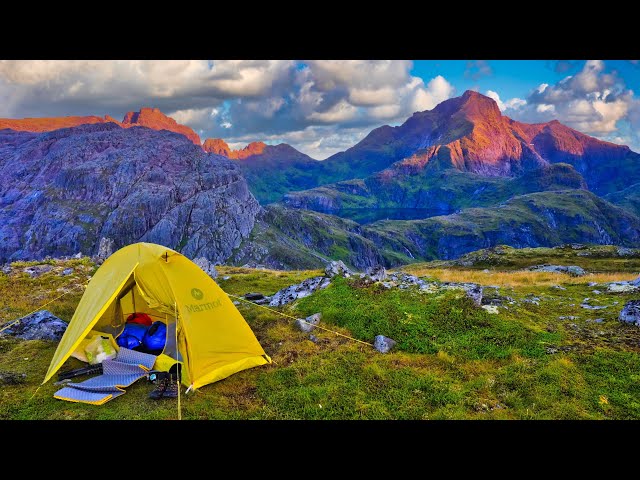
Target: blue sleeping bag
{"x": 132, "y": 335}
{"x": 155, "y": 337}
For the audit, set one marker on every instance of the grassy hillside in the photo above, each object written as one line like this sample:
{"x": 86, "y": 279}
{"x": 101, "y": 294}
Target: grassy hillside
{"x": 542, "y": 356}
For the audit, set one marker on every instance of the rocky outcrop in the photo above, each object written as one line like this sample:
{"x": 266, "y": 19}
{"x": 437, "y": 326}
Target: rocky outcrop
{"x": 337, "y": 269}
{"x": 147, "y": 117}
{"x": 41, "y": 325}
{"x": 573, "y": 270}
{"x": 105, "y": 249}
{"x": 44, "y": 124}
{"x": 153, "y": 118}
{"x": 376, "y": 273}
{"x": 301, "y": 290}
{"x": 206, "y": 266}
{"x": 61, "y": 192}
{"x": 217, "y": 146}
{"x": 631, "y": 313}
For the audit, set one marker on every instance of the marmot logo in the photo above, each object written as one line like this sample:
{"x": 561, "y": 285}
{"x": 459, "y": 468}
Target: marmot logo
{"x": 197, "y": 293}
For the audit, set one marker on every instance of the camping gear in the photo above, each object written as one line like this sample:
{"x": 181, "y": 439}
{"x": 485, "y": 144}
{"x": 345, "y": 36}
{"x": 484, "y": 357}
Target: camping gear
{"x": 88, "y": 370}
{"x": 132, "y": 335}
{"x": 80, "y": 353}
{"x": 141, "y": 318}
{"x": 166, "y": 384}
{"x": 205, "y": 331}
{"x": 155, "y": 337}
{"x": 122, "y": 371}
{"x": 98, "y": 350}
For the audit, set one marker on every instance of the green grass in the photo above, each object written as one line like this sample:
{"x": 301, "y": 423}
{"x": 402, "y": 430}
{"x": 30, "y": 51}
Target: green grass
{"x": 452, "y": 361}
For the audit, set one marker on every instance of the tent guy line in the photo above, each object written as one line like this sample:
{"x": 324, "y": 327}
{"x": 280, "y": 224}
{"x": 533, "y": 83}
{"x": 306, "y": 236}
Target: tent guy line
{"x": 299, "y": 319}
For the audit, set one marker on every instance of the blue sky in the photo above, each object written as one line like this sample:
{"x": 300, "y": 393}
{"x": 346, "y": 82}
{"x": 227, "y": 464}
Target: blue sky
{"x": 325, "y": 106}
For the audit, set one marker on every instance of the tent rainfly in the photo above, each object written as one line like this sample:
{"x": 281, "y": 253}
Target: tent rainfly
{"x": 205, "y": 331}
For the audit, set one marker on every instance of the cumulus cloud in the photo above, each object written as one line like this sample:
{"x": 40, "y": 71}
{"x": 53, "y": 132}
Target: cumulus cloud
{"x": 253, "y": 99}
{"x": 511, "y": 104}
{"x": 594, "y": 101}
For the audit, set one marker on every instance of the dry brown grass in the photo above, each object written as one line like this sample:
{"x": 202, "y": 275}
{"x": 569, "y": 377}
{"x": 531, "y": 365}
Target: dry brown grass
{"x": 515, "y": 278}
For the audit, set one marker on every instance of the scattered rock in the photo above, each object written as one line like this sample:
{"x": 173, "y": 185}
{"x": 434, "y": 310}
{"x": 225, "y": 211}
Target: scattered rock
{"x": 236, "y": 302}
{"x": 41, "y": 325}
{"x": 486, "y": 270}
{"x": 592, "y": 284}
{"x": 592, "y": 307}
{"x": 37, "y": 270}
{"x": 377, "y": 273}
{"x": 573, "y": 270}
{"x": 105, "y": 249}
{"x": 78, "y": 255}
{"x": 67, "y": 271}
{"x": 301, "y": 290}
{"x": 622, "y": 287}
{"x": 471, "y": 290}
{"x": 532, "y": 300}
{"x": 387, "y": 285}
{"x": 226, "y": 277}
{"x": 383, "y": 344}
{"x": 253, "y": 296}
{"x": 206, "y": 266}
{"x": 309, "y": 323}
{"x": 6, "y": 269}
{"x": 337, "y": 268}
{"x": 624, "y": 251}
{"x": 313, "y": 338}
{"x": 558, "y": 287}
{"x": 577, "y": 246}
{"x": 631, "y": 313}
{"x": 490, "y": 308}
{"x": 12, "y": 378}
{"x": 597, "y": 320}
{"x": 570, "y": 317}
{"x": 551, "y": 350}
{"x": 597, "y": 292}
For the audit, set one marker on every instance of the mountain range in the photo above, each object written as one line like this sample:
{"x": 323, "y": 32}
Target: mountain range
{"x": 456, "y": 178}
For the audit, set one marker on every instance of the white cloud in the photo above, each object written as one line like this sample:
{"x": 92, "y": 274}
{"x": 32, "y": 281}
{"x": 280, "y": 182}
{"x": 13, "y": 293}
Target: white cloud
{"x": 438, "y": 89}
{"x": 511, "y": 104}
{"x": 496, "y": 97}
{"x": 593, "y": 101}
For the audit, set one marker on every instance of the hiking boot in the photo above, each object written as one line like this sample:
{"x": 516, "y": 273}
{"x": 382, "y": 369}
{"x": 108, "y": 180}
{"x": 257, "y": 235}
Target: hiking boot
{"x": 171, "y": 391}
{"x": 161, "y": 387}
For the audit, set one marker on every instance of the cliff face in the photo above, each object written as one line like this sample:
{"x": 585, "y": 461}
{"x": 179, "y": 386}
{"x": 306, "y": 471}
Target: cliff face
{"x": 153, "y": 118}
{"x": 62, "y": 191}
{"x": 147, "y": 117}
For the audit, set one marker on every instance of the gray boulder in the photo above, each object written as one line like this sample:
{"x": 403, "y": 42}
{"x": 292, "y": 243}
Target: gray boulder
{"x": 252, "y": 296}
{"x": 573, "y": 270}
{"x": 383, "y": 344}
{"x": 338, "y": 269}
{"x": 471, "y": 290}
{"x": 41, "y": 325}
{"x": 105, "y": 249}
{"x": 624, "y": 251}
{"x": 300, "y": 290}
{"x": 309, "y": 323}
{"x": 12, "y": 378}
{"x": 377, "y": 273}
{"x": 206, "y": 266}
{"x": 37, "y": 270}
{"x": 631, "y": 313}
{"x": 6, "y": 269}
{"x": 67, "y": 271}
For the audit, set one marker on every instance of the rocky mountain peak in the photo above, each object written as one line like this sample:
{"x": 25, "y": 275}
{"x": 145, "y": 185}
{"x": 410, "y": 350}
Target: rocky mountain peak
{"x": 153, "y": 118}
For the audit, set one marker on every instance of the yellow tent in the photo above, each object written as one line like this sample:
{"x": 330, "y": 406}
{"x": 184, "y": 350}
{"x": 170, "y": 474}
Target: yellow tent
{"x": 205, "y": 331}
